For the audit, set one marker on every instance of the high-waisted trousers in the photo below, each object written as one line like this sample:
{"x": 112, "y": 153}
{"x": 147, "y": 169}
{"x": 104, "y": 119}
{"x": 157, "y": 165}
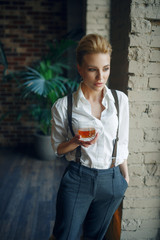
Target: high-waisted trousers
{"x": 86, "y": 201}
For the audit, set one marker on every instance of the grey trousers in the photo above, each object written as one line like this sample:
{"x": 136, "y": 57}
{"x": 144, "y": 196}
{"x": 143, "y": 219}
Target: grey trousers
{"x": 86, "y": 201}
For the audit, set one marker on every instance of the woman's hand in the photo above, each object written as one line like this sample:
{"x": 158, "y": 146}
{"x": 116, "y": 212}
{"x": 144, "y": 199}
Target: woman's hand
{"x": 124, "y": 170}
{"x": 88, "y": 143}
{"x": 69, "y": 146}
{"x": 78, "y": 142}
{"x": 127, "y": 179}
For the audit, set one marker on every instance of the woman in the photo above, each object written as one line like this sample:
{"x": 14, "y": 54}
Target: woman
{"x": 90, "y": 190}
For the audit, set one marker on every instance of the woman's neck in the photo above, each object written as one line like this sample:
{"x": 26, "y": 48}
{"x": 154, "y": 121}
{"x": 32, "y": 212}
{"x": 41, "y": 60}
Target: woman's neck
{"x": 92, "y": 95}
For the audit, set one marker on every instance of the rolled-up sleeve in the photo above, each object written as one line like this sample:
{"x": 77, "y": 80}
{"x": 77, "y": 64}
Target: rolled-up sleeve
{"x": 59, "y": 124}
{"x": 122, "y": 150}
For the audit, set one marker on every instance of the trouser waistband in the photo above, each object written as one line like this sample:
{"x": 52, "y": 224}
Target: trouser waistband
{"x": 78, "y": 167}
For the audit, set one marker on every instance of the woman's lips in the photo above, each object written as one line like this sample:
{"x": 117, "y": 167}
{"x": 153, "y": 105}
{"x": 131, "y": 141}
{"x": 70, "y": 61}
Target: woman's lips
{"x": 98, "y": 84}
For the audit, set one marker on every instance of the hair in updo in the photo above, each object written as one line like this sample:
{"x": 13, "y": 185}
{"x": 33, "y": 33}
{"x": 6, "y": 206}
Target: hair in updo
{"x": 92, "y": 43}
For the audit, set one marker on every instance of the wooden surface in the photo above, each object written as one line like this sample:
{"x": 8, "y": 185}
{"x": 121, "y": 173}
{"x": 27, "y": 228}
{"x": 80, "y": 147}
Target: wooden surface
{"x": 28, "y": 189}
{"x": 114, "y": 229}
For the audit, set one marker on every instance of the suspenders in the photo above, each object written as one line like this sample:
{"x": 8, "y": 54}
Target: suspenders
{"x": 69, "y": 115}
{"x": 114, "y": 153}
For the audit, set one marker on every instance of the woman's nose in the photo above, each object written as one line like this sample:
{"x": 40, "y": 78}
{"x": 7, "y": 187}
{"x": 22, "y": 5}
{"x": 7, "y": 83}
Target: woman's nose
{"x": 99, "y": 75}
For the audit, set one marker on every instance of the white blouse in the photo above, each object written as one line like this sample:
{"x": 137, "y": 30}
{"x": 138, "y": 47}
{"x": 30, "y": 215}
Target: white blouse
{"x": 98, "y": 155}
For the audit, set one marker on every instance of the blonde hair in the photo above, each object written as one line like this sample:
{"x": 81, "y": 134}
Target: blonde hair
{"x": 92, "y": 43}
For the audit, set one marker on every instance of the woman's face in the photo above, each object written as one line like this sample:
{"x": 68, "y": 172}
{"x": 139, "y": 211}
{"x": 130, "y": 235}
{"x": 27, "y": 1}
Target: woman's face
{"x": 95, "y": 70}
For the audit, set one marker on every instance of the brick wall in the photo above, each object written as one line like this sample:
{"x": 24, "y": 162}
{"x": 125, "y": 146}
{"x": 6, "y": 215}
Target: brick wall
{"x": 25, "y": 27}
{"x": 98, "y": 17}
{"x": 142, "y": 204}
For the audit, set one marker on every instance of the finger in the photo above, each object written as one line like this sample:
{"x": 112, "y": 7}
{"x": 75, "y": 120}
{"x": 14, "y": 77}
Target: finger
{"x": 88, "y": 143}
{"x": 77, "y": 136}
{"x": 75, "y": 139}
{"x": 94, "y": 139}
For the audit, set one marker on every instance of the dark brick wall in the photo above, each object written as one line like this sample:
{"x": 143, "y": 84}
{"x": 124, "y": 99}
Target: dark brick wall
{"x": 25, "y": 27}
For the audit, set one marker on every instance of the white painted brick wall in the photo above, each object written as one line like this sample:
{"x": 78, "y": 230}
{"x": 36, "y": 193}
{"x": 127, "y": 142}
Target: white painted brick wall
{"x": 154, "y": 82}
{"x": 98, "y": 17}
{"x": 142, "y": 203}
{"x": 140, "y": 25}
{"x": 144, "y": 96}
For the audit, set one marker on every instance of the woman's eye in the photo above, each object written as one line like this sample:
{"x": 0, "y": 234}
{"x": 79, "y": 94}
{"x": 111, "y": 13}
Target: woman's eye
{"x": 106, "y": 69}
{"x": 91, "y": 69}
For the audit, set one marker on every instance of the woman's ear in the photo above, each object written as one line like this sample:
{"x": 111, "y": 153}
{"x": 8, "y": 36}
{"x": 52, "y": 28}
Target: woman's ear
{"x": 79, "y": 69}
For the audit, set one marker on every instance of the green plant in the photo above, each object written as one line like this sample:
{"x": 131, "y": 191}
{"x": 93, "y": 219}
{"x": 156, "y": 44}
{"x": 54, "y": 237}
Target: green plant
{"x": 46, "y": 82}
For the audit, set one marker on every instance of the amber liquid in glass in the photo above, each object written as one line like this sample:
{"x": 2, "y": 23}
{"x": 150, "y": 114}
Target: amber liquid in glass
{"x": 87, "y": 133}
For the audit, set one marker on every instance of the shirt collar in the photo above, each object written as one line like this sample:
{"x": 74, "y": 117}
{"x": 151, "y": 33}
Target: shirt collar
{"x": 80, "y": 96}
{"x": 108, "y": 94}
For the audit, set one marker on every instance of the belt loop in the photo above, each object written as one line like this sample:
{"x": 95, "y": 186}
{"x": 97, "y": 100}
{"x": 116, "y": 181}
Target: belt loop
{"x": 80, "y": 169}
{"x": 113, "y": 172}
